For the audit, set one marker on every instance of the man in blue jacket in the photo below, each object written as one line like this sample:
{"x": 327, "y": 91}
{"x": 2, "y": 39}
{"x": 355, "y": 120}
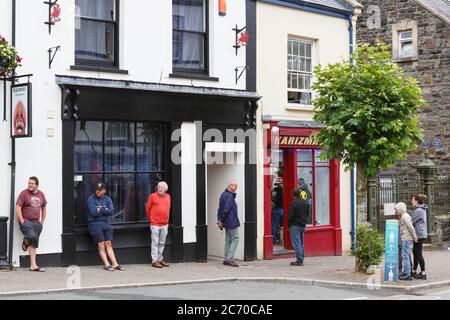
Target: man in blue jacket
{"x": 99, "y": 211}
{"x": 227, "y": 217}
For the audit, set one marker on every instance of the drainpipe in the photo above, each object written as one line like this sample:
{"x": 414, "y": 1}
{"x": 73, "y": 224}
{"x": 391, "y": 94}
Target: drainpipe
{"x": 352, "y": 182}
{"x": 13, "y": 157}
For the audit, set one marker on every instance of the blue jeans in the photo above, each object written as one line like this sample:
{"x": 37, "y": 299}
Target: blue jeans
{"x": 277, "y": 216}
{"x": 406, "y": 260}
{"x": 298, "y": 241}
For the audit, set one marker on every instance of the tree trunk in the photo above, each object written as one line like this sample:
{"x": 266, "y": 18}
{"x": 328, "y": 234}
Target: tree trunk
{"x": 361, "y": 203}
{"x": 361, "y": 195}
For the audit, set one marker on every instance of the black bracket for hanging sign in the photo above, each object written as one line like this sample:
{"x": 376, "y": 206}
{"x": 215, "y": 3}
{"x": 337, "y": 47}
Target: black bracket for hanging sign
{"x": 13, "y": 80}
{"x": 52, "y": 57}
{"x": 239, "y": 75}
{"x": 241, "y": 38}
{"x": 54, "y": 14}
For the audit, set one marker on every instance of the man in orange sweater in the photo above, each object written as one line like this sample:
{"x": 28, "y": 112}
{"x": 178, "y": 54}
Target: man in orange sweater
{"x": 158, "y": 209}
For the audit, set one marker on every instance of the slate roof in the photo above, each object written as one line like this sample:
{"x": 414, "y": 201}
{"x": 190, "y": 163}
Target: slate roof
{"x": 340, "y": 5}
{"x": 337, "y": 4}
{"x": 440, "y": 8}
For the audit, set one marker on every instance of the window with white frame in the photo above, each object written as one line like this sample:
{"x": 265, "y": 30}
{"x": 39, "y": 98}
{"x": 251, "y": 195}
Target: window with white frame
{"x": 300, "y": 69}
{"x": 405, "y": 43}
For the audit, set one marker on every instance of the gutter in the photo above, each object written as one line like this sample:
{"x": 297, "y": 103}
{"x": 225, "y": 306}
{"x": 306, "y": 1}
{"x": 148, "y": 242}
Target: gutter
{"x": 74, "y": 81}
{"x": 310, "y": 7}
{"x": 352, "y": 179}
{"x": 13, "y": 157}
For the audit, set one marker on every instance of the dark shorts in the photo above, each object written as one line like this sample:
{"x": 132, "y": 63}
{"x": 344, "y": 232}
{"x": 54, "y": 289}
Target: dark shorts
{"x": 31, "y": 231}
{"x": 101, "y": 232}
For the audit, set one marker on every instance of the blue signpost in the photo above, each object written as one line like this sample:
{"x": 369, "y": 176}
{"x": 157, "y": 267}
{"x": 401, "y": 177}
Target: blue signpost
{"x": 391, "y": 251}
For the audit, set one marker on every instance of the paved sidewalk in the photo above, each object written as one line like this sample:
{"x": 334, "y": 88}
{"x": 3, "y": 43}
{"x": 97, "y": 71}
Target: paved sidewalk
{"x": 319, "y": 271}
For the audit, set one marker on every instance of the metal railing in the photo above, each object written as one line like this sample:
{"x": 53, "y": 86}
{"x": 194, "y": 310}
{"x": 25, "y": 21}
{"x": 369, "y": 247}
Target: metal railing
{"x": 394, "y": 189}
{"x": 441, "y": 195}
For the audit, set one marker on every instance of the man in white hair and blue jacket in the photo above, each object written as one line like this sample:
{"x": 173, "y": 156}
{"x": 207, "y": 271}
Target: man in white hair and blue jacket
{"x": 227, "y": 217}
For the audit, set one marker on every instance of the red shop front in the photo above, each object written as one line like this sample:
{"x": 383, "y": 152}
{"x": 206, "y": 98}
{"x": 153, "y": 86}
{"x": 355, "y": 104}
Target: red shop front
{"x": 293, "y": 161}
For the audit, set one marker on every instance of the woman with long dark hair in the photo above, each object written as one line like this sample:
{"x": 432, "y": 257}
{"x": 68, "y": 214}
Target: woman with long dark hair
{"x": 419, "y": 219}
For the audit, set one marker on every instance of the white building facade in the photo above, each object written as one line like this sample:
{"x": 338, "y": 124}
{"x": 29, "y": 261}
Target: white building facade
{"x": 292, "y": 38}
{"x": 129, "y": 83}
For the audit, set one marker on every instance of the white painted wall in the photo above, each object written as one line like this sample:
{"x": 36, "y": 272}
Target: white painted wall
{"x": 216, "y": 180}
{"x": 331, "y": 44}
{"x": 145, "y": 51}
{"x": 5, "y": 144}
{"x": 188, "y": 182}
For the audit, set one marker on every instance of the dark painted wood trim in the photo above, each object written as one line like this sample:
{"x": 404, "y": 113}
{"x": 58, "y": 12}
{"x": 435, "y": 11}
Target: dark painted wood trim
{"x": 140, "y": 255}
{"x": 250, "y": 231}
{"x": 105, "y": 64}
{"x": 102, "y": 69}
{"x": 176, "y": 228}
{"x": 43, "y": 260}
{"x": 193, "y": 77}
{"x": 201, "y": 228}
{"x": 67, "y": 238}
{"x": 252, "y": 45}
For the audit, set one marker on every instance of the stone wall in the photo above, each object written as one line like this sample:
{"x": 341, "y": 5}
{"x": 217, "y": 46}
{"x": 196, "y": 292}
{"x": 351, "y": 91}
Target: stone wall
{"x": 442, "y": 224}
{"x": 432, "y": 70}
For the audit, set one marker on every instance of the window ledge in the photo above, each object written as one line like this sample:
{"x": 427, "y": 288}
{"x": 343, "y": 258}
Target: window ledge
{"x": 117, "y": 226}
{"x": 99, "y": 69}
{"x": 299, "y": 107}
{"x": 406, "y": 59}
{"x": 193, "y": 76}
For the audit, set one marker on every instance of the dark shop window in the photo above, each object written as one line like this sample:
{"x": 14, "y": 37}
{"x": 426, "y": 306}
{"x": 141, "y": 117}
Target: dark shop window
{"x": 128, "y": 156}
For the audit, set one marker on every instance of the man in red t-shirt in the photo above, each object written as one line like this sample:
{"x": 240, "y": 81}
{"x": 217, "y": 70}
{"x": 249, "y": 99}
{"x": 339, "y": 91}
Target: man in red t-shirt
{"x": 158, "y": 209}
{"x": 29, "y": 205}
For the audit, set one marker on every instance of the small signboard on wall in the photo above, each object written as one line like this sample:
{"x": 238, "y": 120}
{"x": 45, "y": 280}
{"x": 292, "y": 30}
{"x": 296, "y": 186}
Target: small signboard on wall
{"x": 389, "y": 209}
{"x": 21, "y": 110}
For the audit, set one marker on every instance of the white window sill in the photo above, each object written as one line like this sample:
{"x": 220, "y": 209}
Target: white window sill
{"x": 406, "y": 59}
{"x": 299, "y": 107}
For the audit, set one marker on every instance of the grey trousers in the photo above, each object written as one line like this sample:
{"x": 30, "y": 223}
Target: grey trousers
{"x": 159, "y": 235}
{"x": 231, "y": 243}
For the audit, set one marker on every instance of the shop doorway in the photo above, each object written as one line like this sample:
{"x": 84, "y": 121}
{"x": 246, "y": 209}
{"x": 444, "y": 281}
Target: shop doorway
{"x": 303, "y": 169}
{"x": 223, "y": 162}
{"x": 282, "y": 184}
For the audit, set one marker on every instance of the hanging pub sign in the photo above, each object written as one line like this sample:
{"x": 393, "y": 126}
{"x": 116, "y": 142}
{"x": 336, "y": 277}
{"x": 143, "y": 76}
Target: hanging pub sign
{"x": 296, "y": 141}
{"x": 21, "y": 110}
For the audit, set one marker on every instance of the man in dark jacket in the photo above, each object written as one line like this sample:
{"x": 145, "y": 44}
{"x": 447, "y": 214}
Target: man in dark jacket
{"x": 227, "y": 217}
{"x": 297, "y": 219}
{"x": 99, "y": 211}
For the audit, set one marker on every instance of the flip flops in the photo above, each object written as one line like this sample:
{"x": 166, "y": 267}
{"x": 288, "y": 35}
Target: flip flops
{"x": 25, "y": 245}
{"x": 108, "y": 268}
{"x": 119, "y": 267}
{"x": 38, "y": 269}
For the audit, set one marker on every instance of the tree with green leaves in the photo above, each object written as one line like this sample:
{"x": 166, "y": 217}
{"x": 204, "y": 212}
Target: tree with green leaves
{"x": 369, "y": 110}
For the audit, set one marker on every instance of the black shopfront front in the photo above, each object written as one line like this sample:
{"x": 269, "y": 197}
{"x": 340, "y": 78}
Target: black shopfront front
{"x": 120, "y": 132}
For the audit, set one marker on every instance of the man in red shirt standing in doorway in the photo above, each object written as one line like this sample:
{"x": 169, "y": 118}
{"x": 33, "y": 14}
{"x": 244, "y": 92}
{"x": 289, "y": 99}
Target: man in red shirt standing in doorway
{"x": 158, "y": 209}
